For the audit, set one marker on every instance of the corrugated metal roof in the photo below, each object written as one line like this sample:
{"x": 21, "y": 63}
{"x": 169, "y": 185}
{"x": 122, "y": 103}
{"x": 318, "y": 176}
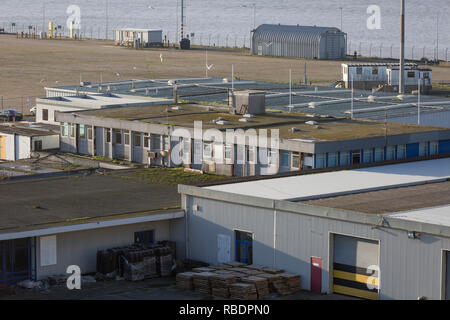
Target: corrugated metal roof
{"x": 292, "y": 32}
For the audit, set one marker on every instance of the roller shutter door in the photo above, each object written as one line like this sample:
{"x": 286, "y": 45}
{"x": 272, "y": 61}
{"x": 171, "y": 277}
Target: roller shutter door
{"x": 355, "y": 264}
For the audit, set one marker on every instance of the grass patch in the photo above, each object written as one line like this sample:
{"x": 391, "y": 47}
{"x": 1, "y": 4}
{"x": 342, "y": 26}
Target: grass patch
{"x": 168, "y": 176}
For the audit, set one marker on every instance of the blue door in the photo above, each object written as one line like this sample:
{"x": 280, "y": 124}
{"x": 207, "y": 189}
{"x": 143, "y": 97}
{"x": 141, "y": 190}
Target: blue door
{"x": 412, "y": 150}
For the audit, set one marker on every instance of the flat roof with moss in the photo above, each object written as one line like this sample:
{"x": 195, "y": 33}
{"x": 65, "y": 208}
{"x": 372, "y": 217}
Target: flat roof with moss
{"x": 321, "y": 129}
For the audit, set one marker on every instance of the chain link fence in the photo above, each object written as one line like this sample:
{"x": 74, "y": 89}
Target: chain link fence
{"x": 367, "y": 49}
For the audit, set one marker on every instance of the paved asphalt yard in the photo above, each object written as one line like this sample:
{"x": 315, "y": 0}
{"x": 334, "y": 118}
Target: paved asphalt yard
{"x": 151, "y": 289}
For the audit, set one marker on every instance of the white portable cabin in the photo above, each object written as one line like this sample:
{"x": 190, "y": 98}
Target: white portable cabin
{"x": 146, "y": 37}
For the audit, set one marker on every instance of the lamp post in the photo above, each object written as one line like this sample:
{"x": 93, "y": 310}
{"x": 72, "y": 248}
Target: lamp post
{"x": 401, "y": 83}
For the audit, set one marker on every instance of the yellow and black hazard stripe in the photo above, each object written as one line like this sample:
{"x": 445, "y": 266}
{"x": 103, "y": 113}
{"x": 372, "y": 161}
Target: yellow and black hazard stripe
{"x": 353, "y": 281}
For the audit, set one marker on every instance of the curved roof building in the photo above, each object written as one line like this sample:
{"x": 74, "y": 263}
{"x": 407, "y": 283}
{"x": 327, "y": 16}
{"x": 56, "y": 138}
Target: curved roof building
{"x": 299, "y": 42}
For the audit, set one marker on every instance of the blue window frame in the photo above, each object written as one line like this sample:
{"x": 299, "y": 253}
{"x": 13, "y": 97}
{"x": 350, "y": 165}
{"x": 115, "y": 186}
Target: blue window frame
{"x": 17, "y": 258}
{"x": 244, "y": 247}
{"x": 144, "y": 237}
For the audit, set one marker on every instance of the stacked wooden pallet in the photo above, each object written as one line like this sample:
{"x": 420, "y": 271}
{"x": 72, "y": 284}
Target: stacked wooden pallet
{"x": 243, "y": 291}
{"x": 261, "y": 284}
{"x": 220, "y": 284}
{"x": 234, "y": 264}
{"x": 273, "y": 280}
{"x": 203, "y": 269}
{"x": 185, "y": 280}
{"x": 202, "y": 282}
{"x": 292, "y": 281}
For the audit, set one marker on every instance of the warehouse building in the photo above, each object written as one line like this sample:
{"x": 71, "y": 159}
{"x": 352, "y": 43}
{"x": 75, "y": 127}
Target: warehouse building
{"x": 299, "y": 42}
{"x": 385, "y": 76}
{"x": 145, "y": 37}
{"x": 375, "y": 233}
{"x": 20, "y": 140}
{"x": 155, "y": 135}
{"x": 50, "y": 224}
{"x": 46, "y": 107}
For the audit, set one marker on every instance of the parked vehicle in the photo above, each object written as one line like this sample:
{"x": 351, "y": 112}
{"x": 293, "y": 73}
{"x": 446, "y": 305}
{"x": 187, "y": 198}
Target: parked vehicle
{"x": 11, "y": 115}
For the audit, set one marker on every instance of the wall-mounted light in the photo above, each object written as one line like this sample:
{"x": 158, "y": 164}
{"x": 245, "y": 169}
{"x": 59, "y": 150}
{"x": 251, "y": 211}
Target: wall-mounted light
{"x": 413, "y": 235}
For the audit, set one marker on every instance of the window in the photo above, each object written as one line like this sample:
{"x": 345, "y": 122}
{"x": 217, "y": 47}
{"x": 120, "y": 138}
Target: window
{"x": 411, "y": 74}
{"x": 144, "y": 237}
{"x": 332, "y": 159}
{"x": 108, "y": 135}
{"x": 207, "y": 150}
{"x": 166, "y": 143}
{"x": 423, "y": 149}
{"x": 244, "y": 247}
{"x": 368, "y": 155}
{"x": 118, "y": 136}
{"x": 45, "y": 114}
{"x": 146, "y": 141}
{"x": 137, "y": 140}
{"x": 186, "y": 146}
{"x": 359, "y": 70}
{"x": 127, "y": 138}
{"x": 295, "y": 160}
{"x": 228, "y": 151}
{"x": 284, "y": 158}
{"x": 356, "y": 157}
{"x": 72, "y": 130}
{"x": 344, "y": 158}
{"x": 272, "y": 156}
{"x": 65, "y": 129}
{"x": 401, "y": 151}
{"x": 251, "y": 154}
{"x": 82, "y": 131}
{"x": 320, "y": 160}
{"x": 434, "y": 148}
{"x": 155, "y": 142}
{"x": 374, "y": 70}
{"x": 379, "y": 154}
{"x": 89, "y": 130}
{"x": 426, "y": 75}
{"x": 390, "y": 153}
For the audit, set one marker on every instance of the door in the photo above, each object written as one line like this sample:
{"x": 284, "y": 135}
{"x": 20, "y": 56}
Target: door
{"x": 223, "y": 248}
{"x": 15, "y": 261}
{"x": 316, "y": 274}
{"x": 244, "y": 247}
{"x": 356, "y": 267}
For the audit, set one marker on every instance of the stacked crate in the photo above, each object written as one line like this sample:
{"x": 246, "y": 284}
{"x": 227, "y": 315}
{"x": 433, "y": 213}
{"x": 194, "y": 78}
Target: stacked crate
{"x": 220, "y": 284}
{"x": 202, "y": 282}
{"x": 243, "y": 291}
{"x": 261, "y": 284}
{"x": 185, "y": 280}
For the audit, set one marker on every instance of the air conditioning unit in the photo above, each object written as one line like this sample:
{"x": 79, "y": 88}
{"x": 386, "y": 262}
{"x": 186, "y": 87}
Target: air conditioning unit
{"x": 153, "y": 155}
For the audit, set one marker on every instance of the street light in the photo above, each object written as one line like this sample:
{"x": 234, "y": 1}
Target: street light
{"x": 254, "y": 12}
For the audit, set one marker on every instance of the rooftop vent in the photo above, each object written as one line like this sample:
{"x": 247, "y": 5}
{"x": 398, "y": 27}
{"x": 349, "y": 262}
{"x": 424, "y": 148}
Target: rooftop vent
{"x": 311, "y": 105}
{"x": 312, "y": 123}
{"x": 294, "y": 130}
{"x": 371, "y": 98}
{"x": 245, "y": 120}
{"x": 177, "y": 108}
{"x": 248, "y": 115}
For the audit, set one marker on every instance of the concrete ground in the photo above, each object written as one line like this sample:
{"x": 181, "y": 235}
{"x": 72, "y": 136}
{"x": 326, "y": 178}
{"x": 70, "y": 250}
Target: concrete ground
{"x": 151, "y": 289}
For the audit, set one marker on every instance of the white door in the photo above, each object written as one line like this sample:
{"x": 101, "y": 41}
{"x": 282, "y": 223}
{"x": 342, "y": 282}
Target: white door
{"x": 223, "y": 248}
